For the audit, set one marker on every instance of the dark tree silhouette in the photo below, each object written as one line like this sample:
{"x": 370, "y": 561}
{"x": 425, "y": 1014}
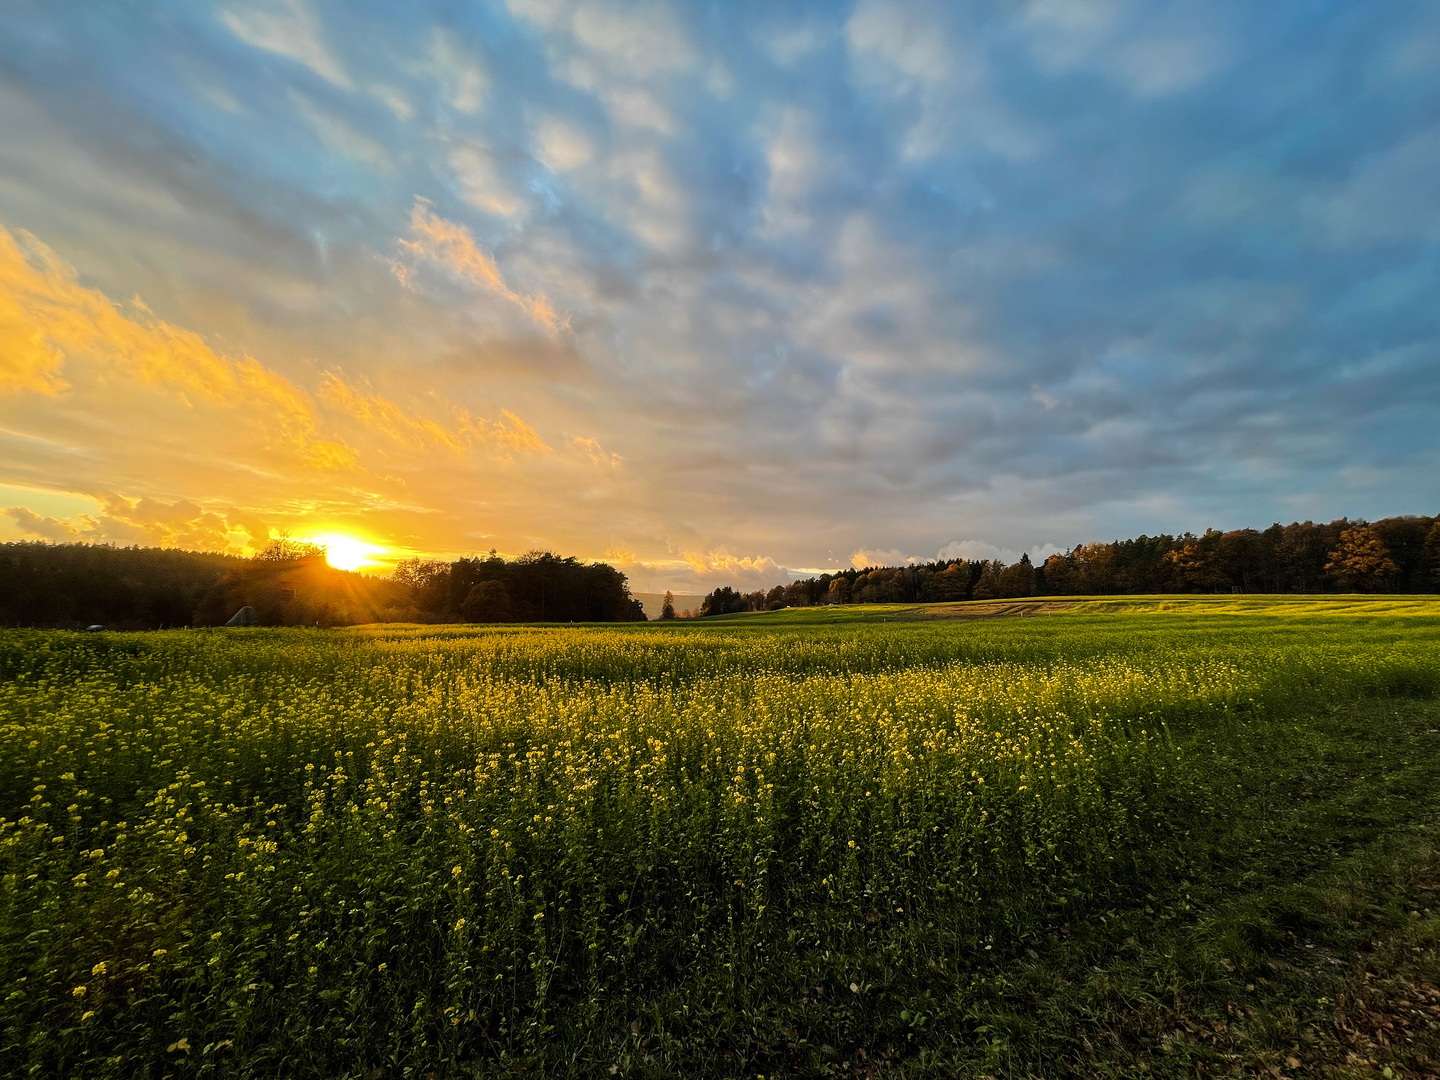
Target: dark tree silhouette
{"x": 487, "y": 602}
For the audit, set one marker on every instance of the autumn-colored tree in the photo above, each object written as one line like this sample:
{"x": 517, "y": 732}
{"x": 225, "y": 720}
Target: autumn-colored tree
{"x": 1095, "y": 569}
{"x": 1018, "y": 580}
{"x": 1059, "y": 577}
{"x": 1195, "y": 566}
{"x": 952, "y": 583}
{"x": 1361, "y": 561}
{"x": 989, "y": 586}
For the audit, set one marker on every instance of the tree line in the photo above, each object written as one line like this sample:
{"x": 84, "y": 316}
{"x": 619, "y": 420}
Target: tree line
{"x": 1393, "y": 555}
{"x": 537, "y": 587}
{"x": 289, "y": 583}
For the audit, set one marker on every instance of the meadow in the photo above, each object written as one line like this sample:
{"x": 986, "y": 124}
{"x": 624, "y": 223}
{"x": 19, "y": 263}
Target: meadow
{"x": 810, "y": 842}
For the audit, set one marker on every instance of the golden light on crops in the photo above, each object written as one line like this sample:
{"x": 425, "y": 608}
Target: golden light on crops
{"x": 348, "y": 552}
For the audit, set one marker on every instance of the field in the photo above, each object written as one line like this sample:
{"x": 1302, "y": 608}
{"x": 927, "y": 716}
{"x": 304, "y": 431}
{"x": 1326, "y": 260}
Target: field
{"x": 1136, "y": 837}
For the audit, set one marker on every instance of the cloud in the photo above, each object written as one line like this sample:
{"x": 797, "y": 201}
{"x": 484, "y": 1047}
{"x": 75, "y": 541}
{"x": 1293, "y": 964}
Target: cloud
{"x": 636, "y": 40}
{"x": 288, "y": 28}
{"x": 793, "y": 161}
{"x": 595, "y": 453}
{"x": 382, "y": 415}
{"x": 976, "y": 551}
{"x": 50, "y": 319}
{"x": 906, "y": 52}
{"x": 29, "y": 360}
{"x": 1151, "y": 51}
{"x": 787, "y": 44}
{"x": 865, "y": 557}
{"x": 1394, "y": 194}
{"x": 452, "y": 246}
{"x": 561, "y": 146}
{"x": 513, "y": 433}
{"x": 741, "y": 568}
{"x": 45, "y": 528}
{"x": 181, "y": 523}
{"x": 460, "y": 77}
{"x": 378, "y": 414}
{"x": 337, "y": 136}
{"x": 481, "y": 183}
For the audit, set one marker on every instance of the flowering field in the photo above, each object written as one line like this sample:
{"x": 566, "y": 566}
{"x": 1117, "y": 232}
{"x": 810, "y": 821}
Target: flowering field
{"x": 404, "y": 851}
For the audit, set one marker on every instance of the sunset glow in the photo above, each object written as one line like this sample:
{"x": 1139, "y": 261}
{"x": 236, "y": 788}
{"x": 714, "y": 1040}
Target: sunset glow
{"x": 717, "y": 293}
{"x": 346, "y": 552}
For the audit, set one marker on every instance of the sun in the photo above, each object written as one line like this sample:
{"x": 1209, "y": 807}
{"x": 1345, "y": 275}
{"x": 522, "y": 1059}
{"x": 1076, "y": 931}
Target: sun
{"x": 347, "y": 552}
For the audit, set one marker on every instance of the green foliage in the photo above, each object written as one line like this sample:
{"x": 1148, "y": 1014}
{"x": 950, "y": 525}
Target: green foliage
{"x": 308, "y": 853}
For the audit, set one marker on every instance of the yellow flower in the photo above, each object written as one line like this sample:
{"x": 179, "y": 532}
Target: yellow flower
{"x": 99, "y": 969}
{"x": 459, "y": 924}
{"x": 78, "y": 992}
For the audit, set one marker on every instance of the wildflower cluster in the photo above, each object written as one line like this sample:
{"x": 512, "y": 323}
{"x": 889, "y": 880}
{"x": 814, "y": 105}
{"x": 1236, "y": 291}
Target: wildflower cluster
{"x": 452, "y": 838}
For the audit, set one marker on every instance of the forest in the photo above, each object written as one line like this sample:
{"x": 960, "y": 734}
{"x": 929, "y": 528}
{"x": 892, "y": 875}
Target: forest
{"x": 1393, "y": 555}
{"x": 73, "y": 586}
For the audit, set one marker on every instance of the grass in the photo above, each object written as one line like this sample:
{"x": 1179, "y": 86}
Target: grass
{"x": 1278, "y": 606}
{"x": 1153, "y": 843}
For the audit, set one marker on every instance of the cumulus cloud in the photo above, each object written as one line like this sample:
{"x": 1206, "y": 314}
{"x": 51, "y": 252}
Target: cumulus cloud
{"x": 562, "y": 146}
{"x": 867, "y": 557}
{"x": 742, "y": 568}
{"x": 45, "y": 528}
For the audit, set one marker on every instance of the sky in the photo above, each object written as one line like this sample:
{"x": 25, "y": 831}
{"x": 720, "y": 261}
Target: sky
{"x": 721, "y": 293}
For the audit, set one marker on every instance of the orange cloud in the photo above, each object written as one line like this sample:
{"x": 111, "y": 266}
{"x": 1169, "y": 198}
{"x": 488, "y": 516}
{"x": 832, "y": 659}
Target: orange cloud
{"x": 47, "y": 318}
{"x": 182, "y": 523}
{"x": 451, "y": 245}
{"x": 383, "y": 416}
{"x": 512, "y": 432}
{"x": 722, "y": 562}
{"x": 596, "y": 453}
